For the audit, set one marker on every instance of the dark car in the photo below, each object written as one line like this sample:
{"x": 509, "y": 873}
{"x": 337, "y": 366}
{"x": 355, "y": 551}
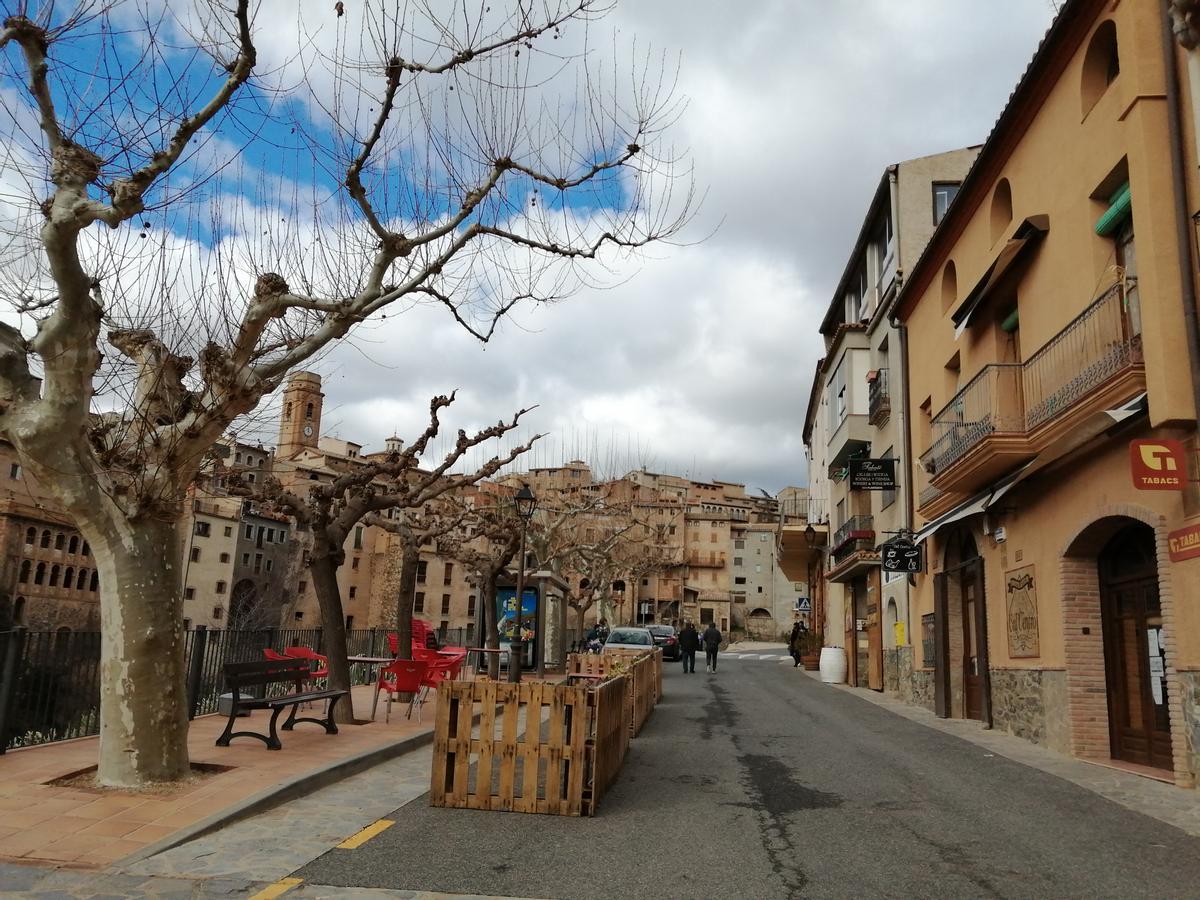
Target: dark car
{"x": 664, "y": 637}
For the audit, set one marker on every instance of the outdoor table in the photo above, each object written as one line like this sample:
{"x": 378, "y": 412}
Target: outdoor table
{"x": 371, "y": 662}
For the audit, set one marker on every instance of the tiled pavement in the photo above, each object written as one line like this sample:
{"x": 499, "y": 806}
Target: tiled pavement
{"x": 88, "y": 828}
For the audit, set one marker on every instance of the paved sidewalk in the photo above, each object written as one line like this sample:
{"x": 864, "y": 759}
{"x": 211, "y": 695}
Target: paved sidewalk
{"x": 93, "y": 828}
{"x": 1165, "y": 802}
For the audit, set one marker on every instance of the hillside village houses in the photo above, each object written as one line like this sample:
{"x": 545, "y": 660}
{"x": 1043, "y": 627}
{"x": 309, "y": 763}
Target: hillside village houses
{"x": 1040, "y": 367}
{"x": 711, "y": 550}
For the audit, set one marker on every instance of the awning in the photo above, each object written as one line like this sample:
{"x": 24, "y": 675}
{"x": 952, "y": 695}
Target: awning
{"x": 1027, "y": 236}
{"x": 977, "y": 504}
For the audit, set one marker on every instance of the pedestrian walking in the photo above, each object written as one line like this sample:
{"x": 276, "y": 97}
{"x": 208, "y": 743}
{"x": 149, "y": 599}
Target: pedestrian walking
{"x": 796, "y": 642}
{"x": 689, "y": 643}
{"x": 712, "y": 643}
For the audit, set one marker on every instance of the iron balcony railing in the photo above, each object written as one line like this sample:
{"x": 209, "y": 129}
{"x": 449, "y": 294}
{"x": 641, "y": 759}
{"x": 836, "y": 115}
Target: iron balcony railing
{"x": 879, "y": 402}
{"x": 989, "y": 404}
{"x": 856, "y": 528}
{"x": 809, "y": 509}
{"x": 1097, "y": 345}
{"x": 1017, "y": 398}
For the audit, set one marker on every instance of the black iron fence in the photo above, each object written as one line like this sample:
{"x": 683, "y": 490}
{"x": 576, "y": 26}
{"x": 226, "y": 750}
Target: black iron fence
{"x": 50, "y": 681}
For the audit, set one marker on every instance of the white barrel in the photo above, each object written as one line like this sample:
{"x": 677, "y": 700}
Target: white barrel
{"x": 833, "y": 665}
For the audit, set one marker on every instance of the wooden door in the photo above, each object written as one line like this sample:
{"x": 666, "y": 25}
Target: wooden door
{"x": 1135, "y": 669}
{"x": 941, "y": 641}
{"x": 974, "y": 652}
{"x": 875, "y": 650}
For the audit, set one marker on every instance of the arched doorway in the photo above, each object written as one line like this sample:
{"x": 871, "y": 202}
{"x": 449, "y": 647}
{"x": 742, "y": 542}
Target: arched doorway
{"x": 760, "y": 625}
{"x": 1139, "y": 721}
{"x": 962, "y": 688}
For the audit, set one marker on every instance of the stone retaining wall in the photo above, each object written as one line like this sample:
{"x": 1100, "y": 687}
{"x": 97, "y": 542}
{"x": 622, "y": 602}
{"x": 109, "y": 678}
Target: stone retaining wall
{"x": 1190, "y": 682}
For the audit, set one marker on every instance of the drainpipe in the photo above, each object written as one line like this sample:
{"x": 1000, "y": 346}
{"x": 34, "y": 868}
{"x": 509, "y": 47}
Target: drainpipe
{"x": 902, "y": 370}
{"x": 1178, "y": 183}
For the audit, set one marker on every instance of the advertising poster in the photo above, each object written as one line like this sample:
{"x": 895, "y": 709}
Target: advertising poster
{"x": 506, "y": 613}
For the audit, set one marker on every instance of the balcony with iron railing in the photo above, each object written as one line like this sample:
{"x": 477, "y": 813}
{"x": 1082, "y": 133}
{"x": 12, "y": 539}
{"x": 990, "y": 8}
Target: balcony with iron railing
{"x": 1008, "y": 413}
{"x": 856, "y": 528}
{"x": 699, "y": 559}
{"x": 879, "y": 402}
{"x": 852, "y": 549}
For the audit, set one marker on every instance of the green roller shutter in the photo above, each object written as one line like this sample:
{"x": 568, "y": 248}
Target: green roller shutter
{"x": 1119, "y": 209}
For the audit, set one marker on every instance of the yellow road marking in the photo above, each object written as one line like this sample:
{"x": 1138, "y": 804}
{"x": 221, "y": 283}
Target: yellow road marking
{"x": 278, "y": 889}
{"x": 356, "y": 841}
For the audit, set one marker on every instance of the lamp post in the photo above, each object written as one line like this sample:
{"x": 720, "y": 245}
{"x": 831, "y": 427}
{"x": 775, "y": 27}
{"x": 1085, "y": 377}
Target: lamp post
{"x": 525, "y": 503}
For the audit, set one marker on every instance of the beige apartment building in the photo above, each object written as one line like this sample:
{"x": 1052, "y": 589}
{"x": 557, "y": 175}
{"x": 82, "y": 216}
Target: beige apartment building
{"x": 1052, "y": 346}
{"x": 852, "y": 416}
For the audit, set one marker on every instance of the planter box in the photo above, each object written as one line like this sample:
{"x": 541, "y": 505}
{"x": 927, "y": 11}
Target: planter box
{"x": 539, "y": 748}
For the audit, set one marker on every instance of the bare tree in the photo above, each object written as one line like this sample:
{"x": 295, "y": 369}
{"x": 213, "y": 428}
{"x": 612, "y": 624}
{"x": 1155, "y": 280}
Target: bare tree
{"x": 439, "y": 170}
{"x": 492, "y": 544}
{"x": 331, "y": 512}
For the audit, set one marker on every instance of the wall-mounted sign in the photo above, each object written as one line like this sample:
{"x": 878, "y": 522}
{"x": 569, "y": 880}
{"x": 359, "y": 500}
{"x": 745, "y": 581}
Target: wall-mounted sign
{"x": 1022, "y": 626}
{"x": 900, "y": 555}
{"x": 1184, "y": 543}
{"x": 872, "y": 475}
{"x": 1158, "y": 465}
{"x": 803, "y": 604}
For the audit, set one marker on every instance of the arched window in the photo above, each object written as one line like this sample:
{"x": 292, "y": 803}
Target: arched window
{"x": 308, "y": 411}
{"x": 39, "y": 575}
{"x": 87, "y": 551}
{"x": 30, "y": 536}
{"x": 95, "y": 585}
{"x": 1101, "y": 66}
{"x": 287, "y": 411}
{"x": 73, "y": 546}
{"x": 81, "y": 580}
{"x": 19, "y": 611}
{"x": 1002, "y": 209}
{"x": 46, "y": 538}
{"x": 26, "y": 565}
{"x": 60, "y": 541}
{"x": 69, "y": 577}
{"x": 949, "y": 286}
{"x": 54, "y": 573}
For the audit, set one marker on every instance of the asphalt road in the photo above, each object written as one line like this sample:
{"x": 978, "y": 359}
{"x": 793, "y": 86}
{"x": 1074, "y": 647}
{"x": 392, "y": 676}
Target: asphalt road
{"x": 759, "y": 782}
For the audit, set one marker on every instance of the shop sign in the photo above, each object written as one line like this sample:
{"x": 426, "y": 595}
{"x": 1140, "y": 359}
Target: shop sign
{"x": 1158, "y": 465}
{"x": 872, "y": 475}
{"x": 900, "y": 555}
{"x": 1020, "y": 591}
{"x": 1184, "y": 543}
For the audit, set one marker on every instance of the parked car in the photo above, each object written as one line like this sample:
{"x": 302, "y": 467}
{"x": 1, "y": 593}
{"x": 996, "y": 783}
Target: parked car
{"x": 629, "y": 639}
{"x": 664, "y": 636}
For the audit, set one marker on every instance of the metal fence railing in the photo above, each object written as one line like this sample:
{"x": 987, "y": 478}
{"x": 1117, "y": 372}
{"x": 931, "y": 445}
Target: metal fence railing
{"x": 50, "y": 681}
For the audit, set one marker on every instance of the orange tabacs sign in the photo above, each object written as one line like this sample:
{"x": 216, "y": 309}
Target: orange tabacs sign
{"x": 1184, "y": 543}
{"x": 1158, "y": 465}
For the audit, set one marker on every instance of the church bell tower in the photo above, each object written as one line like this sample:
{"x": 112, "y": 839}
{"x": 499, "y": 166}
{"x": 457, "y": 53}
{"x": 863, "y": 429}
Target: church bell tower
{"x": 300, "y": 420}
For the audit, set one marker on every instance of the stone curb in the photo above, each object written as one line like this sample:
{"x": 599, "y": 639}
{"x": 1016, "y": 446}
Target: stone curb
{"x": 267, "y": 799}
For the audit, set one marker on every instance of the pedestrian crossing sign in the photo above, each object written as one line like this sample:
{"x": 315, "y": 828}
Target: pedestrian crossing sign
{"x": 803, "y": 604}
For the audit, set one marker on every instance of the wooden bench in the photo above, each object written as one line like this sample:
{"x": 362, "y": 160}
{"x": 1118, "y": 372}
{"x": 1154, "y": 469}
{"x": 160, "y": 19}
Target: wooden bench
{"x": 268, "y": 672}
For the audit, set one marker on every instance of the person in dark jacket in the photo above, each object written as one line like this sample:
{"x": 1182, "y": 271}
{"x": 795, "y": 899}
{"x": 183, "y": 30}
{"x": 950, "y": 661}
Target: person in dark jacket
{"x": 689, "y": 643}
{"x": 712, "y": 643}
{"x": 796, "y": 642}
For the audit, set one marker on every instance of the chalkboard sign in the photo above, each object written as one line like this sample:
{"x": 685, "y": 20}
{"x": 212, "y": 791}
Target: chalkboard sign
{"x": 900, "y": 555}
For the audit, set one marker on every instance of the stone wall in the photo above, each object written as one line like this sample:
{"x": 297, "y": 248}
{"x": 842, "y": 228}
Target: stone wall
{"x": 1191, "y": 718}
{"x": 891, "y": 671}
{"x": 1031, "y": 704}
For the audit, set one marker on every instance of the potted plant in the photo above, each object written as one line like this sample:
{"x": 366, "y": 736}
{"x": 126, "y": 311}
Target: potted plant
{"x": 810, "y": 654}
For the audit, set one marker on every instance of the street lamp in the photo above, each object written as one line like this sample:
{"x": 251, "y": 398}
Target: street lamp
{"x": 525, "y": 503}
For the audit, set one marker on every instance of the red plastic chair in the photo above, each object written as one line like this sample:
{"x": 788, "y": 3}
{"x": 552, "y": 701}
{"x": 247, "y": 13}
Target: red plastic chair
{"x": 439, "y": 670}
{"x": 321, "y": 670}
{"x": 393, "y": 643}
{"x": 404, "y": 676}
{"x": 273, "y": 656}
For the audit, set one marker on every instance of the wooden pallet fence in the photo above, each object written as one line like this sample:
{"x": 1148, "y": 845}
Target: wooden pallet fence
{"x": 644, "y": 679}
{"x": 610, "y": 739}
{"x": 539, "y": 748}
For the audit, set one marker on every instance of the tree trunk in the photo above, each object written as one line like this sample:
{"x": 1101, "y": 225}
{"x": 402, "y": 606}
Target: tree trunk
{"x": 581, "y": 612}
{"x": 492, "y": 628}
{"x": 143, "y": 691}
{"x": 333, "y": 623}
{"x": 409, "y": 559}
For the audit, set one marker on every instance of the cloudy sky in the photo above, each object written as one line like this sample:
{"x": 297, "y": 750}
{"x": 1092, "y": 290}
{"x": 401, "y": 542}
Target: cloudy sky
{"x": 701, "y": 361}
{"x": 695, "y": 358}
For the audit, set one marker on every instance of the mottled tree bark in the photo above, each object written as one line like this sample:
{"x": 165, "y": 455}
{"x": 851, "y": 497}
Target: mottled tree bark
{"x": 329, "y": 597}
{"x": 409, "y": 558}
